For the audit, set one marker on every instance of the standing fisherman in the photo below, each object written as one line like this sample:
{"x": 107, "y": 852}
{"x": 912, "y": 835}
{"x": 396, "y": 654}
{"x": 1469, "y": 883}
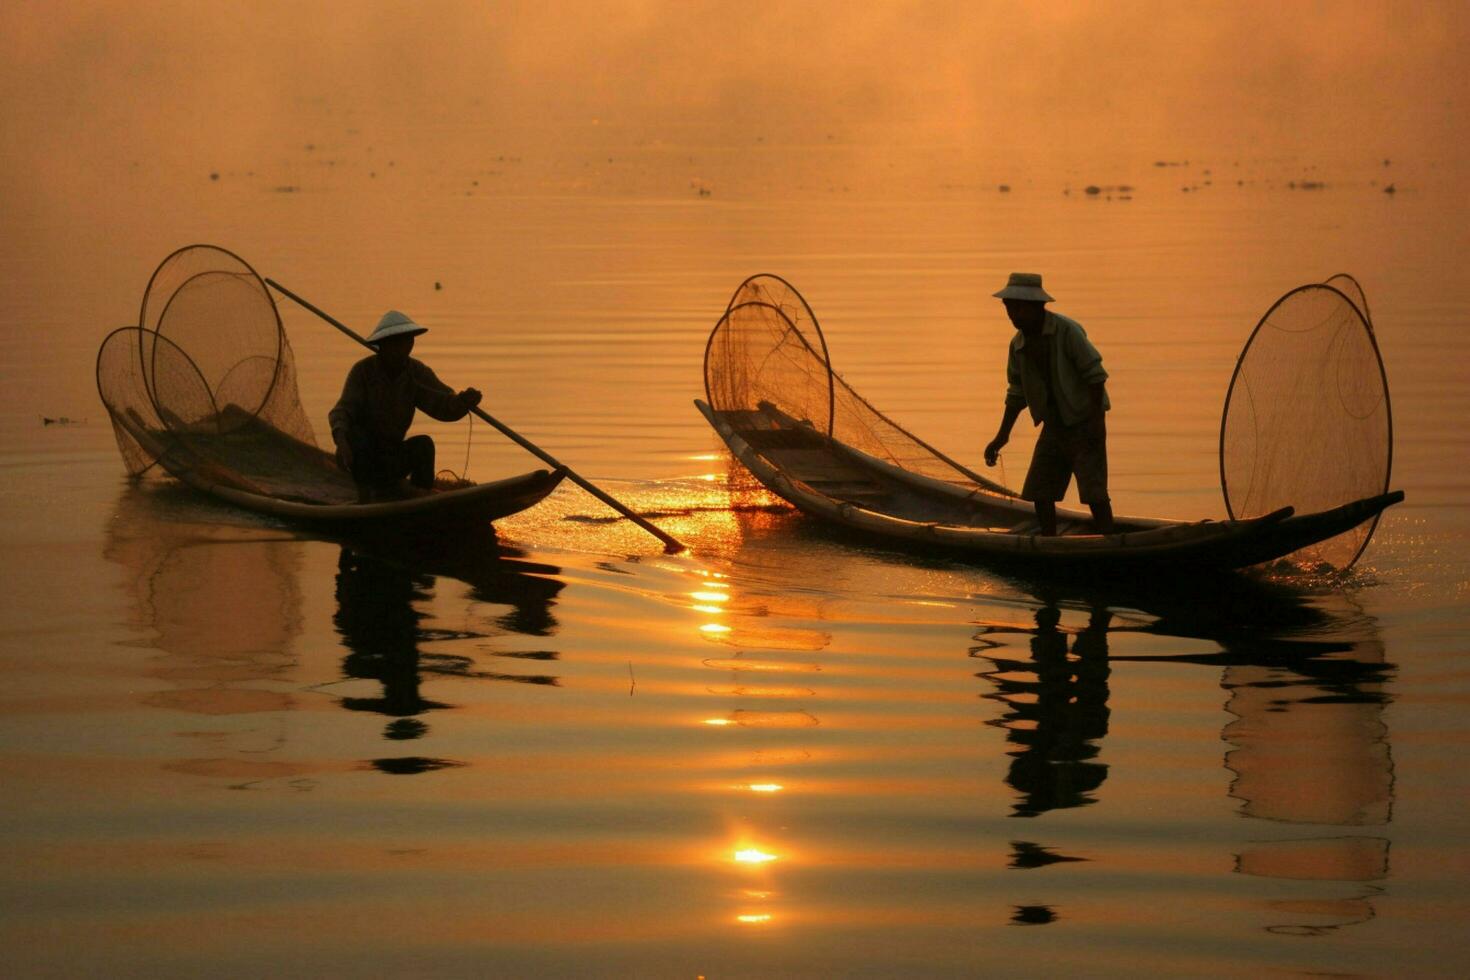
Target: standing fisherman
{"x": 1054, "y": 371}
{"x": 378, "y": 400}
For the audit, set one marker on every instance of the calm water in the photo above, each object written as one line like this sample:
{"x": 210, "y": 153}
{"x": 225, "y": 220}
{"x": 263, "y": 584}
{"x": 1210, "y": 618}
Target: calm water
{"x": 230, "y": 748}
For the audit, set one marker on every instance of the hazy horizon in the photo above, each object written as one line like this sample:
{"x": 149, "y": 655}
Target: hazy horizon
{"x": 88, "y": 83}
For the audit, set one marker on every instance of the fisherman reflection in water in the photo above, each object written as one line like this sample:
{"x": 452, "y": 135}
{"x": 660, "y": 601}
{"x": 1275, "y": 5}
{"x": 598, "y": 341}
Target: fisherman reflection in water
{"x": 380, "y": 628}
{"x": 1058, "y": 712}
{"x": 371, "y": 419}
{"x": 1054, "y": 371}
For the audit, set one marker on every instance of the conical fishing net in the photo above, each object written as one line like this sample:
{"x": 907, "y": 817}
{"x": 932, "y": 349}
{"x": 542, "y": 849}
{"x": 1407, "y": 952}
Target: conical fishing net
{"x": 767, "y": 357}
{"x": 205, "y": 386}
{"x": 1307, "y": 421}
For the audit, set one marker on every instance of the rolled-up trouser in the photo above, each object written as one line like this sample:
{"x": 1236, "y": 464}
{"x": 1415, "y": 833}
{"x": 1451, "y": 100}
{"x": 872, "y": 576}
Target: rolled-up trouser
{"x": 375, "y": 465}
{"x": 1064, "y": 450}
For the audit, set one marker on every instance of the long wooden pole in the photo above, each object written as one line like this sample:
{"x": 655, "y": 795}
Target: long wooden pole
{"x": 671, "y": 544}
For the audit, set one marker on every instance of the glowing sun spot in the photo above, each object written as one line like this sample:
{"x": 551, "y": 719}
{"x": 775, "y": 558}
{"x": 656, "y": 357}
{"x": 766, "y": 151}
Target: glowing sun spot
{"x": 751, "y": 855}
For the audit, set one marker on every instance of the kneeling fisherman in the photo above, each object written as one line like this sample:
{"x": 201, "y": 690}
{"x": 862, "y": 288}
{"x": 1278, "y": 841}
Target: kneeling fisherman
{"x": 371, "y": 419}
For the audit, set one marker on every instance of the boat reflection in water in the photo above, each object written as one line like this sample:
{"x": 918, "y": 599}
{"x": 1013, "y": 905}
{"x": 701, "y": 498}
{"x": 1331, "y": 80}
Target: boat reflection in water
{"x": 1309, "y": 748}
{"x": 219, "y": 595}
{"x": 382, "y": 586}
{"x": 1307, "y": 682}
{"x": 222, "y": 605}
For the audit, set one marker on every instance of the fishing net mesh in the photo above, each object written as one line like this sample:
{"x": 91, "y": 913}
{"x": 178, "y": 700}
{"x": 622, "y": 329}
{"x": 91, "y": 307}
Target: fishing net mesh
{"x": 205, "y": 386}
{"x": 768, "y": 352}
{"x": 1307, "y": 421}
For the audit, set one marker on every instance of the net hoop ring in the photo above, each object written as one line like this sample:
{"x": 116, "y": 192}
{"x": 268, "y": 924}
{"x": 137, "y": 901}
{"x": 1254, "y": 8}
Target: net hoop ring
{"x": 157, "y": 340}
{"x": 97, "y": 377}
{"x": 1367, "y": 325}
{"x": 826, "y": 359}
{"x": 148, "y": 374}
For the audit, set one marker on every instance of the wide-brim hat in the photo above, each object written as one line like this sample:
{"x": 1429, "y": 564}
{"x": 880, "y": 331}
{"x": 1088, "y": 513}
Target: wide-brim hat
{"x": 1024, "y": 285}
{"x": 395, "y": 324}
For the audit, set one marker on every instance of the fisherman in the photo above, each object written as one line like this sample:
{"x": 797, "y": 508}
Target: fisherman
{"x": 372, "y": 417}
{"x": 1054, "y": 371}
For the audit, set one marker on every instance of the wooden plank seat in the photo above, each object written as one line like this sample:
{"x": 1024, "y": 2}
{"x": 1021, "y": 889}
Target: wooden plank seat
{"x": 808, "y": 465}
{"x": 763, "y": 439}
{"x": 742, "y": 420}
{"x": 862, "y": 493}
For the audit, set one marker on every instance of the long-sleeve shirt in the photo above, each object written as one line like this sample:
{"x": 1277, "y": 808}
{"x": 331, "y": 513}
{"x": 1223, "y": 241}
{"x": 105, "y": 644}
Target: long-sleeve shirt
{"x": 382, "y": 407}
{"x": 1058, "y": 384}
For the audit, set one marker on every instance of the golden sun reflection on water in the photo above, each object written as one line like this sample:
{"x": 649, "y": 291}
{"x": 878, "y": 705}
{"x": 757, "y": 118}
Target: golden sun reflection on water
{"x": 734, "y": 619}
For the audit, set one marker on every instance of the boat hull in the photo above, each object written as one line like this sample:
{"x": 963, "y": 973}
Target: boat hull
{"x": 846, "y": 488}
{"x": 463, "y": 508}
{"x": 262, "y": 470}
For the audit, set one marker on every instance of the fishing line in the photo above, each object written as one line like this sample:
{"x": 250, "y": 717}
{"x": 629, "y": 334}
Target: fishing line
{"x": 469, "y": 440}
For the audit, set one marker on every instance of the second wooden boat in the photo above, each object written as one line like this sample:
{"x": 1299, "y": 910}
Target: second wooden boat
{"x": 808, "y": 436}
{"x": 843, "y": 486}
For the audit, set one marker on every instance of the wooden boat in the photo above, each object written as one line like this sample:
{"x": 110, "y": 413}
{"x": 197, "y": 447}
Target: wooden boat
{"x": 829, "y": 480}
{"x": 248, "y": 463}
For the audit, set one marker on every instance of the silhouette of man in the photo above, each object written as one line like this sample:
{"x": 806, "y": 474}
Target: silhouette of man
{"x": 371, "y": 419}
{"x": 1054, "y": 371}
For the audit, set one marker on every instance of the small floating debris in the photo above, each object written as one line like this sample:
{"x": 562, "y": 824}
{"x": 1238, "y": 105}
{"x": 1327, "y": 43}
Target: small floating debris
{"x": 1124, "y": 192}
{"x": 286, "y": 189}
{"x": 438, "y": 285}
{"x": 60, "y": 420}
{"x": 214, "y": 175}
{"x": 1390, "y": 189}
{"x": 1306, "y": 185}
{"x": 1005, "y": 188}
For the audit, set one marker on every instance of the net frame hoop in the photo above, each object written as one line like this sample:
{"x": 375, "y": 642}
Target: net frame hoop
{"x": 834, "y": 379}
{"x": 826, "y": 356}
{"x": 157, "y": 339}
{"x": 837, "y": 379}
{"x": 792, "y": 328}
{"x": 97, "y": 379}
{"x": 1367, "y": 325}
{"x": 149, "y": 374}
